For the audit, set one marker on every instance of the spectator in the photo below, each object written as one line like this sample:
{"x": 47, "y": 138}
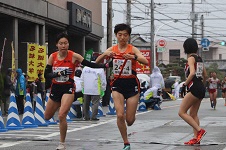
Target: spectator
{"x": 176, "y": 87}
{"x": 156, "y": 78}
{"x": 78, "y": 101}
{"x": 153, "y": 97}
{"x": 107, "y": 93}
{"x": 20, "y": 90}
{"x": 38, "y": 82}
{"x": 92, "y": 92}
{"x": 8, "y": 88}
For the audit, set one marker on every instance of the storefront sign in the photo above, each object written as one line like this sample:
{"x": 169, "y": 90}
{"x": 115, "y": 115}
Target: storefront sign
{"x": 79, "y": 16}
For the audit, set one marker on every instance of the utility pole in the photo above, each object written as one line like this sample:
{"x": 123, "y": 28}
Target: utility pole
{"x": 193, "y": 17}
{"x": 109, "y": 23}
{"x": 153, "y": 61}
{"x": 202, "y": 32}
{"x": 128, "y": 15}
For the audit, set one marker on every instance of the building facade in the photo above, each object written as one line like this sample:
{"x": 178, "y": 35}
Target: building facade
{"x": 174, "y": 51}
{"x": 39, "y": 21}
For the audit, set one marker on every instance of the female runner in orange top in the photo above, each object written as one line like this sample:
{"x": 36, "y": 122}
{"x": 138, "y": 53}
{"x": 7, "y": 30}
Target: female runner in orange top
{"x": 61, "y": 68}
{"x": 125, "y": 84}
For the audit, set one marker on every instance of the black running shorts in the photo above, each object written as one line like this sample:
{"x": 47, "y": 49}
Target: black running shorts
{"x": 58, "y": 90}
{"x": 197, "y": 89}
{"x": 128, "y": 87}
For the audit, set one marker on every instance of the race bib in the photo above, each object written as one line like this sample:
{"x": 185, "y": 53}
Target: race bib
{"x": 199, "y": 69}
{"x": 117, "y": 67}
{"x": 61, "y": 78}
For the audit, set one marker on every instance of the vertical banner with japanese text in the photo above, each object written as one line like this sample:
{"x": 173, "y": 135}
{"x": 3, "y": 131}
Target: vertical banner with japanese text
{"x": 31, "y": 61}
{"x": 41, "y": 60}
{"x": 36, "y": 60}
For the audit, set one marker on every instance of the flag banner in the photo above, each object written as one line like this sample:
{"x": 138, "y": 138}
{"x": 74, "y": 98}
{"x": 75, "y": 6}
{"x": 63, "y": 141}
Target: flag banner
{"x": 88, "y": 54}
{"x": 1, "y": 57}
{"x": 32, "y": 61}
{"x": 13, "y": 75}
{"x": 41, "y": 60}
{"x": 36, "y": 61}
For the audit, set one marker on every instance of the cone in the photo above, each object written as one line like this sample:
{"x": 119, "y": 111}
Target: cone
{"x": 13, "y": 120}
{"x": 111, "y": 107}
{"x": 100, "y": 110}
{"x": 2, "y": 126}
{"x": 50, "y": 121}
{"x": 28, "y": 120}
{"x": 72, "y": 112}
{"x": 39, "y": 112}
{"x": 68, "y": 119}
{"x": 142, "y": 105}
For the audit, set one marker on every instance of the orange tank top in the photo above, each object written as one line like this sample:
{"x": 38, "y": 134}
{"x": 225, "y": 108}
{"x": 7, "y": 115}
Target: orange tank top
{"x": 118, "y": 61}
{"x": 60, "y": 65}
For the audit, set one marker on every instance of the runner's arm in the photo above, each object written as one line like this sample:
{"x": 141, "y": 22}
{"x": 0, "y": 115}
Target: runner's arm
{"x": 85, "y": 62}
{"x": 139, "y": 57}
{"x": 108, "y": 52}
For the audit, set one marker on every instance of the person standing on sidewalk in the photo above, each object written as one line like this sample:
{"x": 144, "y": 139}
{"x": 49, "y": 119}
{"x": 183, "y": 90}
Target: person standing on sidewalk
{"x": 125, "y": 85}
{"x": 196, "y": 77}
{"x": 8, "y": 88}
{"x": 20, "y": 90}
{"x": 93, "y": 84}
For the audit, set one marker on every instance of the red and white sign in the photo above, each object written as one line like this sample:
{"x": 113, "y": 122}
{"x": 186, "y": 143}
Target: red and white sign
{"x": 161, "y": 43}
{"x": 144, "y": 69}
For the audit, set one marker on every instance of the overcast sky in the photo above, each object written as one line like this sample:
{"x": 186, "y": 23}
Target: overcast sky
{"x": 214, "y": 13}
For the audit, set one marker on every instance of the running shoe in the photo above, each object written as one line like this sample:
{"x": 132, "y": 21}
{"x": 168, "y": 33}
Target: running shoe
{"x": 200, "y": 135}
{"x": 212, "y": 104}
{"x": 61, "y": 146}
{"x": 126, "y": 147}
{"x": 192, "y": 142}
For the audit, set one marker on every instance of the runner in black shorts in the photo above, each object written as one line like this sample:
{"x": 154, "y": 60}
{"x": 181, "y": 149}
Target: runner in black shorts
{"x": 196, "y": 76}
{"x": 125, "y": 84}
{"x": 60, "y": 68}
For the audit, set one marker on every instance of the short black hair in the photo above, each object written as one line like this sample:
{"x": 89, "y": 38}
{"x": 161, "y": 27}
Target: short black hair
{"x": 62, "y": 35}
{"x": 190, "y": 46}
{"x": 121, "y": 27}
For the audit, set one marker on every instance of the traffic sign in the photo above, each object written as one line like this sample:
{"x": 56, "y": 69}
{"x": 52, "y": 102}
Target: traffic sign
{"x": 161, "y": 43}
{"x": 161, "y": 49}
{"x": 205, "y": 42}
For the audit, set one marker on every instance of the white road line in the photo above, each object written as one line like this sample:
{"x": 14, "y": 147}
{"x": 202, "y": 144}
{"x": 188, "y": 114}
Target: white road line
{"x": 12, "y": 144}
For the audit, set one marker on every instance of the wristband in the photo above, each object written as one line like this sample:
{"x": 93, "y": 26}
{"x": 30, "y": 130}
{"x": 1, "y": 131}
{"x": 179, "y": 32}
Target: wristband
{"x": 135, "y": 57}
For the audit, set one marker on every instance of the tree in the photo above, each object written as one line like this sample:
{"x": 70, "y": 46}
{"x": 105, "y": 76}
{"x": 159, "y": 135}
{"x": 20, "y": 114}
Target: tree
{"x": 176, "y": 68}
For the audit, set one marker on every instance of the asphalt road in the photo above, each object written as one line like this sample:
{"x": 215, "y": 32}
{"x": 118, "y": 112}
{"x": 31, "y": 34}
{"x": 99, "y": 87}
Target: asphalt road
{"x": 152, "y": 130}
